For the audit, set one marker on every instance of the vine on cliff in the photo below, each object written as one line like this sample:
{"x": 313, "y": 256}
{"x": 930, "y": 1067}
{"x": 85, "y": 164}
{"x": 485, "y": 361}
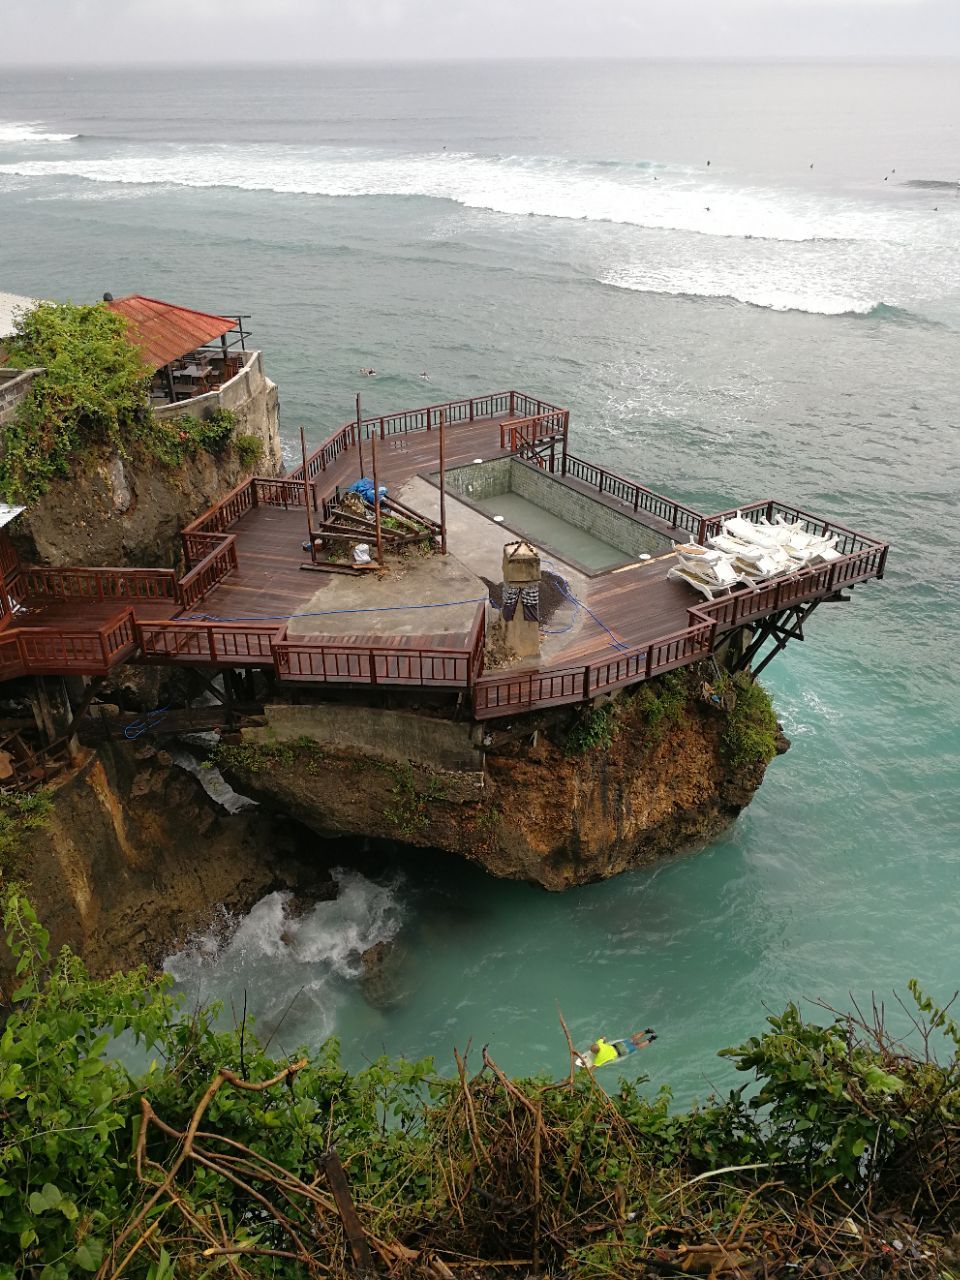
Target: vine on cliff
{"x": 20, "y": 812}
{"x": 751, "y": 733}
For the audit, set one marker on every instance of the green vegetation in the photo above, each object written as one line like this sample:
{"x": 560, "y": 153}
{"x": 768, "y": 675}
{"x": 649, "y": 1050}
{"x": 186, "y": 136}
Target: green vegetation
{"x": 249, "y": 449}
{"x": 20, "y": 812}
{"x": 95, "y": 390}
{"x": 260, "y": 757}
{"x": 662, "y": 703}
{"x": 651, "y": 708}
{"x": 409, "y": 807}
{"x": 594, "y": 730}
{"x": 171, "y": 440}
{"x": 208, "y": 1160}
{"x": 751, "y": 734}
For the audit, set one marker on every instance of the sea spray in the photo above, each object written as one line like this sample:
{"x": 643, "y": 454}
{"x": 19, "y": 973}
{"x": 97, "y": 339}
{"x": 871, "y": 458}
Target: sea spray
{"x": 288, "y": 965}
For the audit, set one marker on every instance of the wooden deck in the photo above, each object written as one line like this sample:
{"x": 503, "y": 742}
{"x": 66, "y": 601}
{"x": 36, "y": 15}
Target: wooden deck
{"x": 244, "y": 583}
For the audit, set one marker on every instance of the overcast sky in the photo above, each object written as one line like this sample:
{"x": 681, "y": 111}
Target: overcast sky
{"x": 84, "y": 31}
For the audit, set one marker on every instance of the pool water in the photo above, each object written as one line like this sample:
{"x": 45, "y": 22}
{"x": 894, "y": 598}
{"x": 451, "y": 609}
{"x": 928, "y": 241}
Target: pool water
{"x": 552, "y": 533}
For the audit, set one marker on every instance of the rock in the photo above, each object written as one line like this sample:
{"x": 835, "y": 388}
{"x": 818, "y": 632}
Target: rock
{"x": 381, "y": 975}
{"x": 135, "y": 857}
{"x": 541, "y": 815}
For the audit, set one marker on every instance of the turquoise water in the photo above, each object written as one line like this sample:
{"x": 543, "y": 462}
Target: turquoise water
{"x": 751, "y": 328}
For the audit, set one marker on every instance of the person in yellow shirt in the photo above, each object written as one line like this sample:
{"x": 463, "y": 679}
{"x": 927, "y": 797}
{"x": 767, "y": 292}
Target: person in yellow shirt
{"x": 603, "y": 1051}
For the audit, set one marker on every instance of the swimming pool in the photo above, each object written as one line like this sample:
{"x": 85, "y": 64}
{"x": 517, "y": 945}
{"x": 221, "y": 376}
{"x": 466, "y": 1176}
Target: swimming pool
{"x": 558, "y": 518}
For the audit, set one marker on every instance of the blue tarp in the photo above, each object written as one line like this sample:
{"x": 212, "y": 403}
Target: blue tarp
{"x": 365, "y": 489}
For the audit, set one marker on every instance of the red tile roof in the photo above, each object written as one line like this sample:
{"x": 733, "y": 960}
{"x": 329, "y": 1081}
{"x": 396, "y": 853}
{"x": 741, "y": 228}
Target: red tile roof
{"x": 164, "y": 332}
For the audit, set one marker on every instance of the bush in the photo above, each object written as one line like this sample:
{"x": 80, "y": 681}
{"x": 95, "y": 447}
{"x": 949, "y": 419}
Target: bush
{"x": 94, "y": 390}
{"x": 171, "y": 440}
{"x": 249, "y": 450}
{"x": 214, "y": 1150}
{"x": 662, "y": 703}
{"x": 594, "y": 730}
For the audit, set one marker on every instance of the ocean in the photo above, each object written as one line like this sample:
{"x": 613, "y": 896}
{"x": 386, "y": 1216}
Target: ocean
{"x": 744, "y": 281}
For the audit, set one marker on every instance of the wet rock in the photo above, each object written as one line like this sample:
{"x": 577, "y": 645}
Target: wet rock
{"x": 381, "y": 975}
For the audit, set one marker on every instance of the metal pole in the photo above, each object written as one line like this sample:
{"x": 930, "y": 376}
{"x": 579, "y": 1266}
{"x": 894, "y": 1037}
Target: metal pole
{"x": 443, "y": 486}
{"x": 306, "y": 496}
{"x": 376, "y": 500}
{"x": 359, "y": 437}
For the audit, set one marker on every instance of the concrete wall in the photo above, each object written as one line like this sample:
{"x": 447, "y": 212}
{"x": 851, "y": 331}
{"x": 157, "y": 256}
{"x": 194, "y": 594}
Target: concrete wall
{"x": 14, "y": 385}
{"x": 402, "y": 736}
{"x": 509, "y": 475}
{"x": 253, "y": 399}
{"x": 592, "y": 516}
{"x": 481, "y": 479}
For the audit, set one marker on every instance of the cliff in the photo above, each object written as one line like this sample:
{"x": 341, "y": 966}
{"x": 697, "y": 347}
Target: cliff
{"x": 128, "y": 509}
{"x": 133, "y": 856}
{"x": 556, "y": 801}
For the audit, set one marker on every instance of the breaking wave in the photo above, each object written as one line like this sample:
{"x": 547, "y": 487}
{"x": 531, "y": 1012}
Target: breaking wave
{"x": 16, "y": 131}
{"x": 276, "y": 954}
{"x": 784, "y": 300}
{"x": 931, "y": 184}
{"x": 670, "y": 199}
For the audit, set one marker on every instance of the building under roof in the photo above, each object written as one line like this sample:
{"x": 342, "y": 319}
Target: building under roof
{"x": 165, "y": 332}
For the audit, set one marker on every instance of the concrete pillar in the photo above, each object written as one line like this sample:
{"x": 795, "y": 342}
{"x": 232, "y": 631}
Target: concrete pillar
{"x": 521, "y": 599}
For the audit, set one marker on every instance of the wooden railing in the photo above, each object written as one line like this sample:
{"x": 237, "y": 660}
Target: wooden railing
{"x": 799, "y": 587}
{"x": 501, "y": 403}
{"x": 9, "y": 560}
{"x": 333, "y": 662}
{"x": 634, "y": 497}
{"x": 99, "y": 584}
{"x": 217, "y": 643}
{"x": 499, "y": 694}
{"x": 38, "y": 650}
{"x": 279, "y": 493}
{"x": 527, "y": 431}
{"x": 208, "y": 572}
{"x": 226, "y": 512}
{"x": 848, "y": 541}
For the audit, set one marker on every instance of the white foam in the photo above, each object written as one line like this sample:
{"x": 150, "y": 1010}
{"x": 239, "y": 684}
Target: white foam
{"x": 541, "y": 186}
{"x": 14, "y": 131}
{"x": 274, "y": 953}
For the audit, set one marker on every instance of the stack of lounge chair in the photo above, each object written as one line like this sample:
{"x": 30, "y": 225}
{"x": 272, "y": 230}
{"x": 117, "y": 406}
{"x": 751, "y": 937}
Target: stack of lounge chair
{"x": 747, "y": 554}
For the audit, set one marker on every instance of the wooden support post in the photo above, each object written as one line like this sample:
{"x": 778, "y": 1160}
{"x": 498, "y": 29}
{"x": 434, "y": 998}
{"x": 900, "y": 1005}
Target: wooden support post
{"x": 376, "y": 501}
{"x": 359, "y": 438}
{"x": 352, "y": 1226}
{"x": 443, "y": 486}
{"x": 306, "y": 496}
{"x": 168, "y": 370}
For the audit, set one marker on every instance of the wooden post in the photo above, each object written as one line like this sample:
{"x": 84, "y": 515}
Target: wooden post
{"x": 352, "y": 1226}
{"x": 359, "y": 438}
{"x": 376, "y": 501}
{"x": 306, "y": 496}
{"x": 443, "y": 486}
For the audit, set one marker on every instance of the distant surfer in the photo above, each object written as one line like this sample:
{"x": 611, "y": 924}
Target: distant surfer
{"x": 425, "y": 376}
{"x": 603, "y": 1051}
{"x": 368, "y": 373}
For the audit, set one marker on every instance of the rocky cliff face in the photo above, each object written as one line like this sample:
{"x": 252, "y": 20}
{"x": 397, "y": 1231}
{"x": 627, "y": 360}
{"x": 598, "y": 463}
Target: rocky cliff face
{"x": 135, "y": 856}
{"x": 116, "y": 510}
{"x": 533, "y": 809}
